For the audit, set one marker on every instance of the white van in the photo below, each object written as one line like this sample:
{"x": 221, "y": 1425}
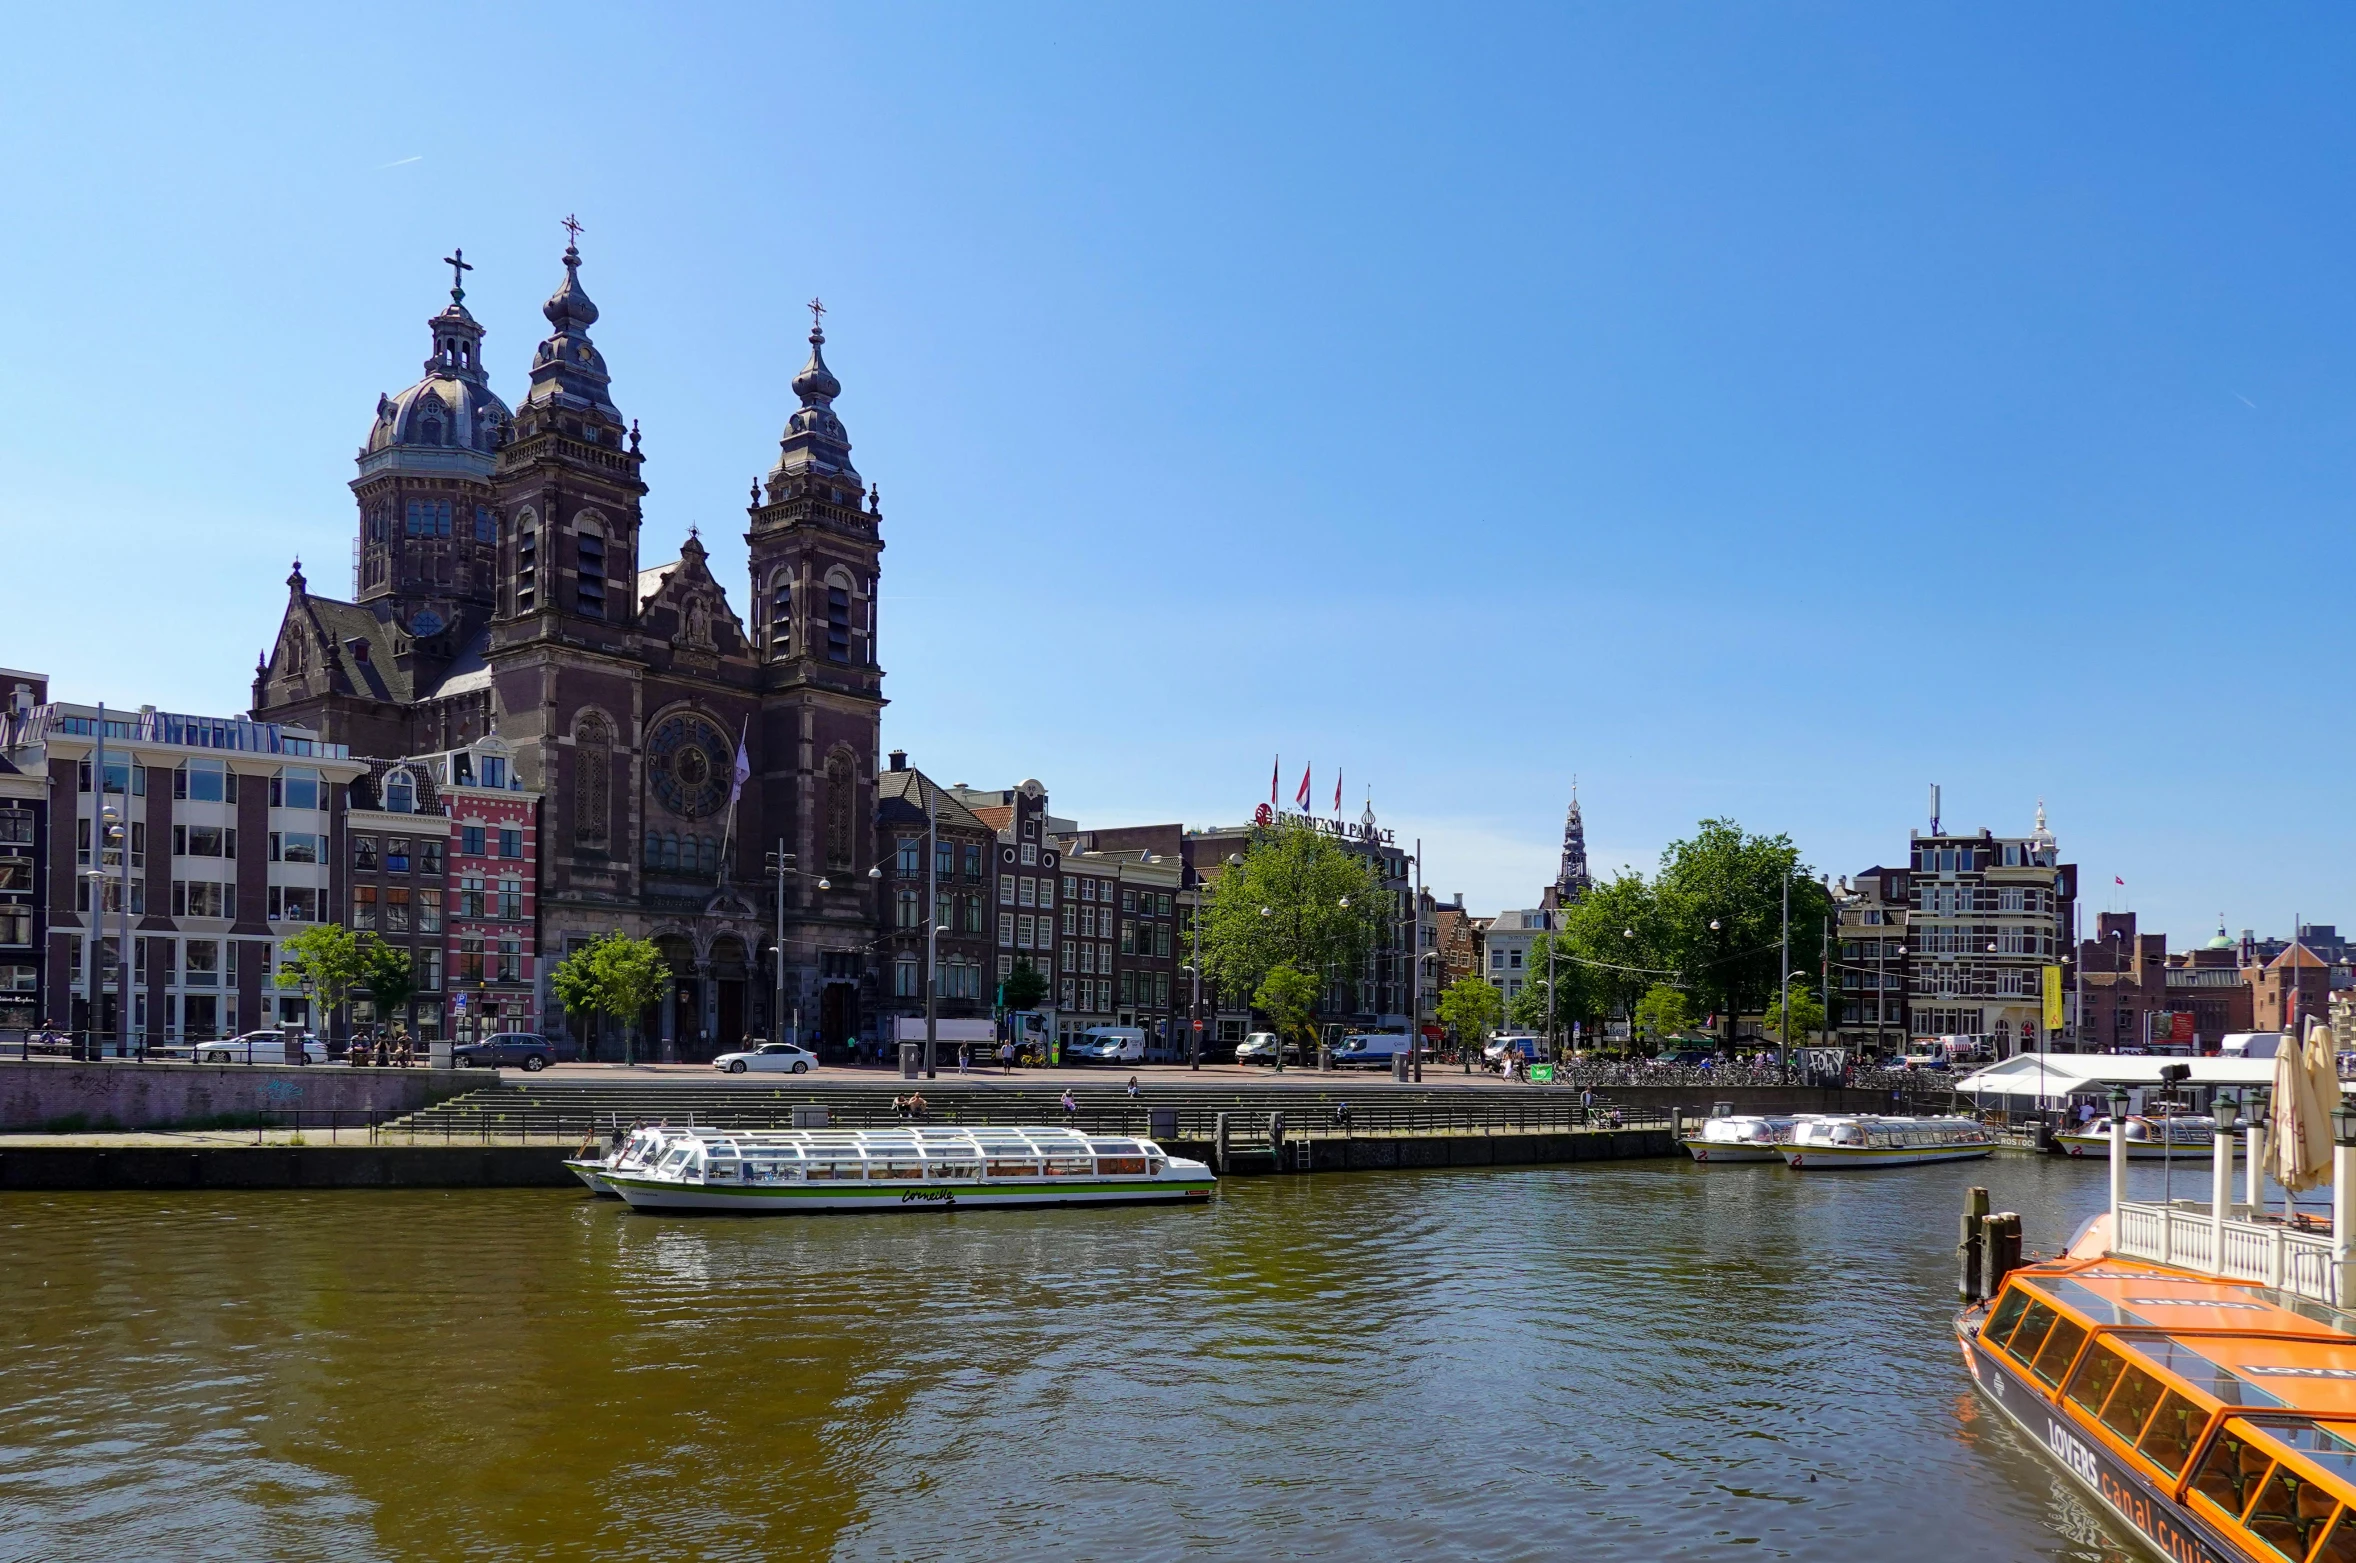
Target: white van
{"x": 1372, "y": 1049}
{"x": 1106, "y": 1045}
{"x": 2251, "y": 1044}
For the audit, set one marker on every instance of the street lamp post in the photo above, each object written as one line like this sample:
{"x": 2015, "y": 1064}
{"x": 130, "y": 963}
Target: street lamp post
{"x": 1415, "y": 969}
{"x": 1194, "y": 1006}
{"x": 782, "y": 862}
{"x": 932, "y": 924}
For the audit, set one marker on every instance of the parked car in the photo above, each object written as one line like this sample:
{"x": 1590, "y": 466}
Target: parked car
{"x": 1260, "y": 1048}
{"x": 522, "y": 1049}
{"x": 777, "y": 1057}
{"x": 1371, "y": 1049}
{"x": 258, "y": 1047}
{"x": 1106, "y": 1045}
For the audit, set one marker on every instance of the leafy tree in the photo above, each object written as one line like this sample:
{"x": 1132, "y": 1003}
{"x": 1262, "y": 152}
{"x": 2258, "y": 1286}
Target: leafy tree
{"x": 616, "y": 975}
{"x": 1616, "y": 936}
{"x": 387, "y": 976}
{"x": 1661, "y": 1012}
{"x": 1722, "y": 875}
{"x": 1472, "y": 1008}
{"x": 1578, "y": 993}
{"x": 1287, "y": 997}
{"x": 1807, "y": 1015}
{"x": 1023, "y": 987}
{"x": 328, "y": 959}
{"x": 1298, "y": 899}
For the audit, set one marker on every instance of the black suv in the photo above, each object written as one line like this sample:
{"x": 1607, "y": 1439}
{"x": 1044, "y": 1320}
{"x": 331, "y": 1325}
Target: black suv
{"x": 523, "y": 1049}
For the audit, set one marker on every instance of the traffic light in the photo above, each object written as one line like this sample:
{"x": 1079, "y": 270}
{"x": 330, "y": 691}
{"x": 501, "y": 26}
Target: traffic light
{"x": 778, "y": 863}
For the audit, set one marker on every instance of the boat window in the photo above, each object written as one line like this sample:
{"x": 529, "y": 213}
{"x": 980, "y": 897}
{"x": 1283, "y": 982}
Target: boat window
{"x": 1113, "y": 1147}
{"x": 836, "y": 1171}
{"x": 2334, "y": 1451}
{"x": 2059, "y": 1351}
{"x": 895, "y": 1169}
{"x": 1122, "y": 1165}
{"x": 1009, "y": 1168}
{"x": 956, "y": 1169}
{"x": 2167, "y": 1442}
{"x": 2231, "y": 1471}
{"x": 721, "y": 1167}
{"x": 2031, "y": 1335}
{"x": 2008, "y": 1313}
{"x": 1068, "y": 1166}
{"x": 2290, "y": 1512}
{"x": 679, "y": 1154}
{"x": 2340, "y": 1545}
{"x": 2186, "y": 1361}
{"x": 2094, "y": 1380}
{"x": 2131, "y": 1403}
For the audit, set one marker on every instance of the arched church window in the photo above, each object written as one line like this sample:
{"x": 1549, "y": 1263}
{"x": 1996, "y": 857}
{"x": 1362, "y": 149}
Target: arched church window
{"x": 838, "y": 615}
{"x": 841, "y": 808}
{"x": 708, "y": 854}
{"x": 589, "y": 585}
{"x": 485, "y": 529}
{"x": 654, "y": 849}
{"x": 781, "y": 614}
{"x": 670, "y": 850}
{"x": 593, "y": 761}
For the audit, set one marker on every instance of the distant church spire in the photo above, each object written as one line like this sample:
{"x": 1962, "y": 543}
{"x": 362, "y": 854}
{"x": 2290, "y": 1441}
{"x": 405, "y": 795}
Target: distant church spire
{"x": 1571, "y": 881}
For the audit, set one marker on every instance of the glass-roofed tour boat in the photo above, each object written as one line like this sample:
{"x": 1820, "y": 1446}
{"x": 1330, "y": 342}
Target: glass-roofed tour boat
{"x": 642, "y": 1148}
{"x": 1869, "y": 1141}
{"x": 1726, "y": 1136}
{"x": 783, "y": 1171}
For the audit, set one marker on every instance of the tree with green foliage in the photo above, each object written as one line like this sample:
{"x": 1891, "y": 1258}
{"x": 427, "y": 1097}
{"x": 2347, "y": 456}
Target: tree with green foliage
{"x": 1719, "y": 899}
{"x": 1288, "y": 997}
{"x": 1298, "y": 899}
{"x": 1615, "y": 934}
{"x": 1577, "y": 994}
{"x": 1023, "y": 987}
{"x": 387, "y": 976}
{"x": 617, "y": 976}
{"x": 1807, "y": 1016}
{"x": 1661, "y": 1013}
{"x": 1471, "y": 1008}
{"x": 327, "y": 960}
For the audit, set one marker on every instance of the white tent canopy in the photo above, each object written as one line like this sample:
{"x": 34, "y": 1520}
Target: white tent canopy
{"x": 2051, "y": 1075}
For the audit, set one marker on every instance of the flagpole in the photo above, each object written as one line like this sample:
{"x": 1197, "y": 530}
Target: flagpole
{"x": 736, "y": 782}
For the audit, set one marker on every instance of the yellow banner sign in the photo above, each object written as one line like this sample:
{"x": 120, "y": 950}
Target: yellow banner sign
{"x": 2053, "y": 1000}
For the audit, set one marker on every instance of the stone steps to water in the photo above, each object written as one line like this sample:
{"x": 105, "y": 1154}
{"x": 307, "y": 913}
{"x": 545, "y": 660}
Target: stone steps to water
{"x": 1374, "y": 1105}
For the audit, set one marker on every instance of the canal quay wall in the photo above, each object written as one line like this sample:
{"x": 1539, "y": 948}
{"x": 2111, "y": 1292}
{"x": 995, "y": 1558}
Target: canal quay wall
{"x": 63, "y": 1095}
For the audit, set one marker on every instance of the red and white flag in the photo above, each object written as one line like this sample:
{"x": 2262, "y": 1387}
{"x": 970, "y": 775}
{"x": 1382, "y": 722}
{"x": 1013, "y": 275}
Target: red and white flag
{"x": 1301, "y": 798}
{"x": 1337, "y": 791}
{"x": 1275, "y": 769}
{"x": 2116, "y": 880}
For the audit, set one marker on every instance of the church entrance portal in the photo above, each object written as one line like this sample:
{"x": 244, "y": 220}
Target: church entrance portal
{"x": 838, "y": 1016}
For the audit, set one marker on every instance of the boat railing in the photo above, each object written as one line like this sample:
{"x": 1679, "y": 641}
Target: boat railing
{"x": 2270, "y": 1252}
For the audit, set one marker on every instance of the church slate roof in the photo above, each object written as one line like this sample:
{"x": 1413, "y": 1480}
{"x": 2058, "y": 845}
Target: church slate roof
{"x": 898, "y": 796}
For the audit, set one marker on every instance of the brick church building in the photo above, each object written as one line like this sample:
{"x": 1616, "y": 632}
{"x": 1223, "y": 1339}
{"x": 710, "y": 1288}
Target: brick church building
{"x": 502, "y": 586}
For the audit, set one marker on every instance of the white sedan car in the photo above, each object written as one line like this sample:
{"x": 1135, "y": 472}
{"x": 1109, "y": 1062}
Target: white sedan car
{"x": 267, "y": 1047}
{"x": 780, "y": 1057}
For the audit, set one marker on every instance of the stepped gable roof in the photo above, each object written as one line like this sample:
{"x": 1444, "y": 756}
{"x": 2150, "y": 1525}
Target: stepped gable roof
{"x": 689, "y": 608}
{"x": 902, "y": 792}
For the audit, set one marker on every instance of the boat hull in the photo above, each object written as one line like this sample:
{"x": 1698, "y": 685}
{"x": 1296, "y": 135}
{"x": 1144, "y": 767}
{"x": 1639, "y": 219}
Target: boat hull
{"x": 1731, "y": 1150}
{"x": 2098, "y": 1148}
{"x": 792, "y": 1199}
{"x": 2143, "y": 1510}
{"x": 1819, "y": 1158}
{"x": 590, "y": 1172}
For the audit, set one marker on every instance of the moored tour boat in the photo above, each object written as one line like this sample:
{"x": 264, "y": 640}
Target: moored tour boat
{"x": 2214, "y": 1418}
{"x": 2148, "y": 1139}
{"x": 779, "y": 1172}
{"x": 1867, "y": 1141}
{"x": 1740, "y": 1138}
{"x": 641, "y": 1149}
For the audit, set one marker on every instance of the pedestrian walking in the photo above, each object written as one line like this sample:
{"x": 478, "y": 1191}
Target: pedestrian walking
{"x": 1069, "y": 1106}
{"x": 1006, "y": 1058}
{"x": 964, "y": 1056}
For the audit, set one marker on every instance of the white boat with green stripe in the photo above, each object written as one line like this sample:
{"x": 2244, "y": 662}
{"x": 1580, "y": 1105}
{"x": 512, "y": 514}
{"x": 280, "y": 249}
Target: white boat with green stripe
{"x": 776, "y": 1172}
{"x": 1869, "y": 1141}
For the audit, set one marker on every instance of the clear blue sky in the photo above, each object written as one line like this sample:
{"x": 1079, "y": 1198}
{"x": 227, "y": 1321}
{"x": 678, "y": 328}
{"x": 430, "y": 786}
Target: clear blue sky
{"x": 1758, "y": 410}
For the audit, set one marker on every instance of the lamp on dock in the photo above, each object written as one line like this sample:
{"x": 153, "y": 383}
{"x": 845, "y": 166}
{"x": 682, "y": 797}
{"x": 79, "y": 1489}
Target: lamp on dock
{"x": 2118, "y": 1159}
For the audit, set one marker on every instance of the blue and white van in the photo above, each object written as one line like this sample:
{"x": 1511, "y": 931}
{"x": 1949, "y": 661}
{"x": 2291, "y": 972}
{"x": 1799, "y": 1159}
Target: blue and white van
{"x": 1372, "y": 1049}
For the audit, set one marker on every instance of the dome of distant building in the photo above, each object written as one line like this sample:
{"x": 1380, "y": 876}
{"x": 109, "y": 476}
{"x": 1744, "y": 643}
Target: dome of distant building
{"x": 2221, "y": 942}
{"x": 451, "y": 417}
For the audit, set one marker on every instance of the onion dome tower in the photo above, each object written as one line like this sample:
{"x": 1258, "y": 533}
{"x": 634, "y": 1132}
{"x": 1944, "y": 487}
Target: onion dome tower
{"x": 427, "y": 532}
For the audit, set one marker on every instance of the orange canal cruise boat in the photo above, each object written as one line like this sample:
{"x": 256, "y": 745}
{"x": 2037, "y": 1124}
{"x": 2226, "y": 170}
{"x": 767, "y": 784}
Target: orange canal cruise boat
{"x": 2215, "y": 1417}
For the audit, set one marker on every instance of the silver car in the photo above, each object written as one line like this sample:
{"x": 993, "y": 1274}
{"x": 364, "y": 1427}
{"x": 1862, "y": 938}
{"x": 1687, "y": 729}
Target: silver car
{"x": 774, "y": 1057}
{"x": 259, "y": 1047}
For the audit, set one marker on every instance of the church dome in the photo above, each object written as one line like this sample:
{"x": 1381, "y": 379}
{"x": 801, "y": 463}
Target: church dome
{"x": 451, "y": 418}
{"x": 2222, "y": 942}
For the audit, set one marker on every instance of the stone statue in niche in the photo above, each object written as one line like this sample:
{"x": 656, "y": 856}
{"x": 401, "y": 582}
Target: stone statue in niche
{"x": 698, "y": 618}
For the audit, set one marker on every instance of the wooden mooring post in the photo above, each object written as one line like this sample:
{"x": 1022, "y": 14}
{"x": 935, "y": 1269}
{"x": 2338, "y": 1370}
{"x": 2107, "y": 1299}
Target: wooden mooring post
{"x": 1219, "y": 1146}
{"x": 2002, "y": 1237}
{"x": 1968, "y": 1252}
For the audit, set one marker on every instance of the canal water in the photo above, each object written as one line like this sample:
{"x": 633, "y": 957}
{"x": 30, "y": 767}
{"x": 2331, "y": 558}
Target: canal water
{"x": 1640, "y": 1360}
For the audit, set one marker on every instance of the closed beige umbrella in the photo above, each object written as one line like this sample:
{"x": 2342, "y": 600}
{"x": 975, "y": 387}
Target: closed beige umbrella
{"x": 2306, "y": 1089}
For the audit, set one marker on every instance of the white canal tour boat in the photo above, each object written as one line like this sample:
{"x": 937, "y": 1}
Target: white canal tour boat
{"x": 784, "y": 1171}
{"x": 642, "y": 1149}
{"x": 1867, "y": 1141}
{"x": 2182, "y": 1138}
{"x": 1732, "y": 1137}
